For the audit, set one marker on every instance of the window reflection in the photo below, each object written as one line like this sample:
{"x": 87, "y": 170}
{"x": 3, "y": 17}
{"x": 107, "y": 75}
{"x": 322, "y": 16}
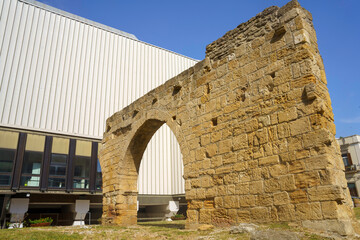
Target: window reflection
{"x": 8, "y": 145}
{"x": 56, "y": 182}
{"x": 57, "y": 170}
{"x": 31, "y": 169}
{"x": 6, "y": 160}
{"x": 98, "y": 176}
{"x": 5, "y": 180}
{"x": 82, "y": 164}
{"x": 6, "y": 165}
{"x": 33, "y": 156}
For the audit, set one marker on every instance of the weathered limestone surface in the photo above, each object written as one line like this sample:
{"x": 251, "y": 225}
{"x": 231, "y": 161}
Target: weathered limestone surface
{"x": 255, "y": 126}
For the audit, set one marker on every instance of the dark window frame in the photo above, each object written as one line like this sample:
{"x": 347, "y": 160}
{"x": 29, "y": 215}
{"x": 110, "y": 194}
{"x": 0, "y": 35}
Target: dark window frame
{"x": 12, "y": 170}
{"x": 81, "y": 178}
{"x": 352, "y": 190}
{"x": 93, "y": 166}
{"x": 46, "y": 163}
{"x": 348, "y": 162}
{"x": 20, "y": 150}
{"x": 32, "y": 175}
{"x": 70, "y": 166}
{"x": 57, "y": 176}
{"x": 101, "y": 189}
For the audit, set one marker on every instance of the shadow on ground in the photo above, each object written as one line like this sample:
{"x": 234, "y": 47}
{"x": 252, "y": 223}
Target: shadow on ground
{"x": 164, "y": 225}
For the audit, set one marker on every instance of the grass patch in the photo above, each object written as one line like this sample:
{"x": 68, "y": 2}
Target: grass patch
{"x": 144, "y": 231}
{"x": 357, "y": 212}
{"x": 279, "y": 225}
{"x": 315, "y": 237}
{"x": 25, "y": 234}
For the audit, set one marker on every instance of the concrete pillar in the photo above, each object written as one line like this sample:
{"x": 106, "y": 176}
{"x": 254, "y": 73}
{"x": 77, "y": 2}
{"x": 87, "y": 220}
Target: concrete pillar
{"x": 81, "y": 209}
{"x": 172, "y": 208}
{"x": 18, "y": 208}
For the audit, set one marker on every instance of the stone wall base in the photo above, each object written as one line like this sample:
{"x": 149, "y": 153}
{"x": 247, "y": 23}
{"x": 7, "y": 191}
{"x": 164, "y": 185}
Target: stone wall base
{"x": 341, "y": 227}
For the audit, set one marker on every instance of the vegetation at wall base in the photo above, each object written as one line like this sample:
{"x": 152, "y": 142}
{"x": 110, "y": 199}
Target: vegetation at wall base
{"x": 41, "y": 222}
{"x": 143, "y": 231}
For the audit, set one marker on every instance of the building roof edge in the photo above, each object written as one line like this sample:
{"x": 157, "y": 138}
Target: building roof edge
{"x": 78, "y": 18}
{"x": 96, "y": 24}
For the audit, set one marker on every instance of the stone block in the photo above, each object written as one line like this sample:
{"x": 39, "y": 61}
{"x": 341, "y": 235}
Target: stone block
{"x": 307, "y": 179}
{"x": 225, "y": 146}
{"x": 231, "y": 201}
{"x": 264, "y": 200}
{"x": 269, "y": 160}
{"x": 195, "y": 204}
{"x": 287, "y": 183}
{"x": 281, "y": 198}
{"x": 260, "y": 214}
{"x": 298, "y": 196}
{"x": 271, "y": 185}
{"x": 243, "y": 216}
{"x": 287, "y": 115}
{"x": 211, "y": 150}
{"x": 278, "y": 170}
{"x": 256, "y": 187}
{"x": 310, "y": 211}
{"x": 299, "y": 126}
{"x": 242, "y": 188}
{"x": 286, "y": 212}
{"x": 329, "y": 209}
{"x": 247, "y": 201}
{"x": 219, "y": 202}
{"x": 326, "y": 193}
{"x": 240, "y": 142}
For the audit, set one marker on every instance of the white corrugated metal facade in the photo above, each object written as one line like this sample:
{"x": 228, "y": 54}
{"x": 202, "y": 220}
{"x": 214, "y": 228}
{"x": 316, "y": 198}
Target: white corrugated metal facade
{"x": 59, "y": 74}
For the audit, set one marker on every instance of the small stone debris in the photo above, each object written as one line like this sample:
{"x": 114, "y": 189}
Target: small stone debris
{"x": 205, "y": 227}
{"x": 273, "y": 235}
{"x": 243, "y": 228}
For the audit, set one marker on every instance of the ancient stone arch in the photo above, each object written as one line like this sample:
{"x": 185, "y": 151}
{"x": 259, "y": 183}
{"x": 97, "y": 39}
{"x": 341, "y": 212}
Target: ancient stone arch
{"x": 255, "y": 127}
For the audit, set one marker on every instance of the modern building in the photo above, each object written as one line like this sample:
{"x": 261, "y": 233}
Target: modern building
{"x": 61, "y": 77}
{"x": 350, "y": 152}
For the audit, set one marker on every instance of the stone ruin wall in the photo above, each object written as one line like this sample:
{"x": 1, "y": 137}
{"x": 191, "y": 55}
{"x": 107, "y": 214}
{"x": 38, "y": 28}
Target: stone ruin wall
{"x": 255, "y": 127}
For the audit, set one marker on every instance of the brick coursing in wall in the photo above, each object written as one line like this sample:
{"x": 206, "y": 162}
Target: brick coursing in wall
{"x": 255, "y": 127}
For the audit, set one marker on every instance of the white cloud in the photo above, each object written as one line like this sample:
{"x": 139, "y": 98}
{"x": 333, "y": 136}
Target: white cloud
{"x": 351, "y": 120}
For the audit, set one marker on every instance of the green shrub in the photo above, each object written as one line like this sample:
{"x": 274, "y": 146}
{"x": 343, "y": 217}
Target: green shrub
{"x": 41, "y": 220}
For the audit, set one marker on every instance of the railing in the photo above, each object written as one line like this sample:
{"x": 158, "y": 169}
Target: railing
{"x": 352, "y": 168}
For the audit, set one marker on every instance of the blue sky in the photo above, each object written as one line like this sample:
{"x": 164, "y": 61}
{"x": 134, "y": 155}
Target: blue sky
{"x": 186, "y": 27}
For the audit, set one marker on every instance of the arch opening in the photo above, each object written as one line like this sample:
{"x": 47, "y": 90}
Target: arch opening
{"x": 161, "y": 187}
{"x": 169, "y": 195}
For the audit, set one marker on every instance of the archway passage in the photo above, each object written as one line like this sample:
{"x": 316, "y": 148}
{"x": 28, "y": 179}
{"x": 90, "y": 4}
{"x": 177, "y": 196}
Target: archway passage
{"x": 255, "y": 128}
{"x": 161, "y": 186}
{"x": 121, "y": 202}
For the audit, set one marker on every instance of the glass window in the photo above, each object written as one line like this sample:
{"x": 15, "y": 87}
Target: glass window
{"x": 31, "y": 168}
{"x": 58, "y": 162}
{"x": 352, "y": 189}
{"x": 82, "y": 164}
{"x": 5, "y": 180}
{"x": 57, "y": 171}
{"x": 30, "y": 181}
{"x": 56, "y": 182}
{"x": 81, "y": 183}
{"x": 82, "y": 167}
{"x": 8, "y": 145}
{"x": 345, "y": 159}
{"x": 32, "y": 162}
{"x": 6, "y": 160}
{"x": 98, "y": 176}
